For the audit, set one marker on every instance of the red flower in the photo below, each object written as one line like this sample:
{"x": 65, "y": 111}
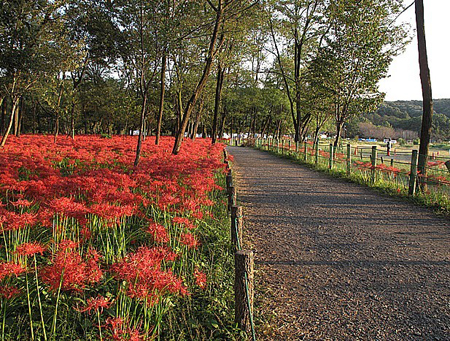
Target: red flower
{"x": 8, "y": 269}
{"x": 189, "y": 240}
{"x": 14, "y": 221}
{"x": 71, "y": 272}
{"x": 200, "y": 278}
{"x": 183, "y": 221}
{"x": 158, "y": 232}
{"x": 29, "y": 249}
{"x": 97, "y": 304}
{"x": 9, "y": 292}
{"x": 21, "y": 202}
{"x": 120, "y": 332}
{"x": 142, "y": 271}
{"x": 67, "y": 244}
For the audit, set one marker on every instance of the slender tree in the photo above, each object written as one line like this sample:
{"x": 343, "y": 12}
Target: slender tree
{"x": 425, "y": 80}
{"x": 26, "y": 47}
{"x": 223, "y": 11}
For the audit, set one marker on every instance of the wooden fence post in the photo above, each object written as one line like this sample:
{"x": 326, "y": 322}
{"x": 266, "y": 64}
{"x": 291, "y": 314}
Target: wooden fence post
{"x": 229, "y": 181}
{"x": 374, "y": 162}
{"x": 349, "y": 159}
{"x": 413, "y": 173}
{"x": 305, "y": 157}
{"x": 330, "y": 164}
{"x": 236, "y": 226}
{"x": 231, "y": 197}
{"x": 317, "y": 153}
{"x": 243, "y": 288}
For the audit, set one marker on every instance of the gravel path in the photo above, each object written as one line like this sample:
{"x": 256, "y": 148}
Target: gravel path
{"x": 337, "y": 261}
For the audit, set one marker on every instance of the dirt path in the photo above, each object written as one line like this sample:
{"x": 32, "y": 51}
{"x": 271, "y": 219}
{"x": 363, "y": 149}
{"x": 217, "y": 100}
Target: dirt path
{"x": 336, "y": 261}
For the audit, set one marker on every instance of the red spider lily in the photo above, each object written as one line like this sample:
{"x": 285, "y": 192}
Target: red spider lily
{"x": 120, "y": 332}
{"x": 112, "y": 212}
{"x": 197, "y": 214}
{"x": 9, "y": 292}
{"x": 200, "y": 278}
{"x": 85, "y": 233}
{"x": 440, "y": 180}
{"x": 386, "y": 169}
{"x": 68, "y": 206}
{"x": 14, "y": 221}
{"x": 363, "y": 165}
{"x": 9, "y": 269}
{"x": 158, "y": 232}
{"x": 29, "y": 249}
{"x": 67, "y": 244}
{"x": 45, "y": 217}
{"x": 184, "y": 222}
{"x": 97, "y": 304}
{"x": 71, "y": 272}
{"x": 91, "y": 178}
{"x": 230, "y": 158}
{"x": 435, "y": 163}
{"x": 189, "y": 240}
{"x": 340, "y": 156}
{"x": 21, "y": 202}
{"x": 142, "y": 271}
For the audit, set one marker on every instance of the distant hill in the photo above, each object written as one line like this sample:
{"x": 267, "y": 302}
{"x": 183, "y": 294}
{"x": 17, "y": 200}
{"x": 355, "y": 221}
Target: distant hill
{"x": 407, "y": 116}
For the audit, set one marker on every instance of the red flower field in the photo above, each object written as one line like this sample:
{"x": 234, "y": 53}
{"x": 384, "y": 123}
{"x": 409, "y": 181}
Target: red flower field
{"x": 88, "y": 237}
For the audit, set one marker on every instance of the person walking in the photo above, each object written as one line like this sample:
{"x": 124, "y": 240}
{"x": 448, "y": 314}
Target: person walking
{"x": 388, "y": 147}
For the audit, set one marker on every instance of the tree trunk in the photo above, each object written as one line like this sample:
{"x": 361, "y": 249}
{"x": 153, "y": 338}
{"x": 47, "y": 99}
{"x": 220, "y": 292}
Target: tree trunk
{"x": 197, "y": 120}
{"x": 141, "y": 129}
{"x": 265, "y": 126}
{"x": 278, "y": 132}
{"x": 338, "y": 133}
{"x": 219, "y": 84}
{"x": 34, "y": 116}
{"x": 161, "y": 98}
{"x": 72, "y": 120}
{"x": 425, "y": 80}
{"x": 179, "y": 109}
{"x": 11, "y": 119}
{"x": 3, "y": 116}
{"x": 20, "y": 118}
{"x": 222, "y": 123}
{"x": 17, "y": 118}
{"x": 56, "y": 126}
{"x": 202, "y": 82}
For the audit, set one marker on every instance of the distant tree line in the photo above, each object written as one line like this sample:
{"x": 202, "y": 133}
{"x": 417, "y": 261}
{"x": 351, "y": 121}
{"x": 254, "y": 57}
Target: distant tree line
{"x": 402, "y": 119}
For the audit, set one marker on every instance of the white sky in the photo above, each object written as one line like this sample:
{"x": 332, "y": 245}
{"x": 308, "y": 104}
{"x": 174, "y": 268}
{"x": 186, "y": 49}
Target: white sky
{"x": 404, "y": 80}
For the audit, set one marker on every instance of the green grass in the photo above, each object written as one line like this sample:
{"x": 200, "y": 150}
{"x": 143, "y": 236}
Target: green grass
{"x": 209, "y": 314}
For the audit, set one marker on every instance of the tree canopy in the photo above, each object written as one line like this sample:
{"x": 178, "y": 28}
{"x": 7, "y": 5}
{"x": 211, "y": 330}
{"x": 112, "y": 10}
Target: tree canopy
{"x": 209, "y": 67}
